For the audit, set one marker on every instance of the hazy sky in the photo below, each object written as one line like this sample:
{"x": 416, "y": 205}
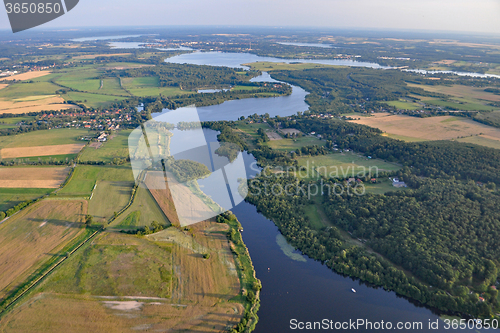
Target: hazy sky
{"x": 455, "y": 15}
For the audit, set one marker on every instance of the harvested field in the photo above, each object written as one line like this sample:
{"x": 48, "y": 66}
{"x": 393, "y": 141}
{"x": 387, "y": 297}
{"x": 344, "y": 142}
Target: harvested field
{"x": 431, "y": 128}
{"x": 33, "y": 236}
{"x": 157, "y": 185}
{"x": 34, "y": 104}
{"x": 459, "y": 90}
{"x": 273, "y": 135}
{"x": 3, "y": 85}
{"x": 32, "y": 177}
{"x": 26, "y": 76}
{"x": 41, "y": 150}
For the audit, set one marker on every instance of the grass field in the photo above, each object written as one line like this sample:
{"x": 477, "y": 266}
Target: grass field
{"x": 10, "y": 197}
{"x": 38, "y": 151}
{"x": 431, "y": 128}
{"x": 482, "y": 141}
{"x": 38, "y": 177}
{"x": 33, "y": 236}
{"x": 116, "y": 147}
{"x": 150, "y": 86}
{"x": 142, "y": 212}
{"x": 460, "y": 91}
{"x": 342, "y": 165}
{"x": 43, "y": 138}
{"x": 108, "y": 198}
{"x": 293, "y": 144}
{"x": 404, "y": 105}
{"x": 85, "y": 177}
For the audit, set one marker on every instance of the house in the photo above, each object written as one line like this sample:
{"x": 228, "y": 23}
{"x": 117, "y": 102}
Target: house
{"x": 398, "y": 184}
{"x": 373, "y": 180}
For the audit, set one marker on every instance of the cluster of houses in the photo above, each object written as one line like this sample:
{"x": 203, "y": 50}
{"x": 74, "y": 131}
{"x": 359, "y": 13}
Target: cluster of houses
{"x": 94, "y": 120}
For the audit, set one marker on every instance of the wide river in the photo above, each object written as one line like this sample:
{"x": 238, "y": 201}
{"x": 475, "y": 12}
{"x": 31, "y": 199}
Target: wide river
{"x": 294, "y": 286}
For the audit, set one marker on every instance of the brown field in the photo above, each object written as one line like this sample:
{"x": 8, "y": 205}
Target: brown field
{"x": 41, "y": 150}
{"x": 157, "y": 185}
{"x": 3, "y": 85}
{"x": 34, "y": 104}
{"x": 431, "y": 128}
{"x": 32, "y": 177}
{"x": 198, "y": 302}
{"x": 272, "y": 135}
{"x": 27, "y": 76}
{"x": 33, "y": 236}
{"x": 459, "y": 90}
{"x": 290, "y": 131}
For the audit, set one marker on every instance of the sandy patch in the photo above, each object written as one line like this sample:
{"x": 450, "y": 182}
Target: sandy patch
{"x": 41, "y": 150}
{"x": 26, "y": 76}
{"x": 123, "y": 305}
{"x": 290, "y": 131}
{"x": 32, "y": 177}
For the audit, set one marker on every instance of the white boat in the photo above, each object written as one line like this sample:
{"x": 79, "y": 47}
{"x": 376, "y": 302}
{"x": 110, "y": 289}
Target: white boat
{"x": 353, "y": 290}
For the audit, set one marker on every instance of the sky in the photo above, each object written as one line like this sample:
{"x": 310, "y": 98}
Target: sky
{"x": 437, "y": 15}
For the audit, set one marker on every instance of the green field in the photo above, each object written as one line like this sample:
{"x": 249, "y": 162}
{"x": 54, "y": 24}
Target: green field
{"x": 116, "y": 265}
{"x": 85, "y": 177}
{"x": 482, "y": 141}
{"x": 6, "y": 123}
{"x": 274, "y": 66}
{"x": 404, "y": 105}
{"x": 109, "y": 197}
{"x": 150, "y": 86}
{"x": 22, "y": 90}
{"x": 61, "y": 136}
{"x": 117, "y": 147}
{"x": 142, "y": 212}
{"x": 10, "y": 197}
{"x": 112, "y": 86}
{"x": 342, "y": 165}
{"x": 293, "y": 144}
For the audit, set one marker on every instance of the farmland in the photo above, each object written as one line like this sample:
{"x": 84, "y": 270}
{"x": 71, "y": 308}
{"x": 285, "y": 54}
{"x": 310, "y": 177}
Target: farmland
{"x": 85, "y": 177}
{"x": 26, "y": 76}
{"x": 32, "y": 177}
{"x": 115, "y": 147}
{"x": 34, "y": 236}
{"x": 292, "y": 144}
{"x": 431, "y": 128}
{"x": 10, "y": 197}
{"x": 157, "y": 282}
{"x": 342, "y": 165}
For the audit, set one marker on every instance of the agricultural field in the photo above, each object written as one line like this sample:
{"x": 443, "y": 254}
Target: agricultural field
{"x": 142, "y": 212}
{"x": 293, "y": 144}
{"x": 54, "y": 142}
{"x": 109, "y": 197}
{"x": 342, "y": 165}
{"x": 404, "y": 105}
{"x": 26, "y": 76}
{"x": 115, "y": 147}
{"x": 37, "y": 177}
{"x": 35, "y": 235}
{"x": 150, "y": 86}
{"x": 127, "y": 283}
{"x": 10, "y": 197}
{"x": 431, "y": 128}
{"x": 85, "y": 177}
{"x": 276, "y": 66}
{"x": 12, "y": 122}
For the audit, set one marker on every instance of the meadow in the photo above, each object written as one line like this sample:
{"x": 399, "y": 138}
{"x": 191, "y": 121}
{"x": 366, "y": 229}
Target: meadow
{"x": 293, "y": 144}
{"x": 85, "y": 177}
{"x": 342, "y": 165}
{"x": 10, "y": 197}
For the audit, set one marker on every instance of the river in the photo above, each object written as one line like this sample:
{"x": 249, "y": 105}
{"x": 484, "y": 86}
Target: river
{"x": 297, "y": 287}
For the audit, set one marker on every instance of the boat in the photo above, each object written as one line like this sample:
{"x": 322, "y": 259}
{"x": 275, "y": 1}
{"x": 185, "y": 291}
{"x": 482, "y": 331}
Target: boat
{"x": 353, "y": 290}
